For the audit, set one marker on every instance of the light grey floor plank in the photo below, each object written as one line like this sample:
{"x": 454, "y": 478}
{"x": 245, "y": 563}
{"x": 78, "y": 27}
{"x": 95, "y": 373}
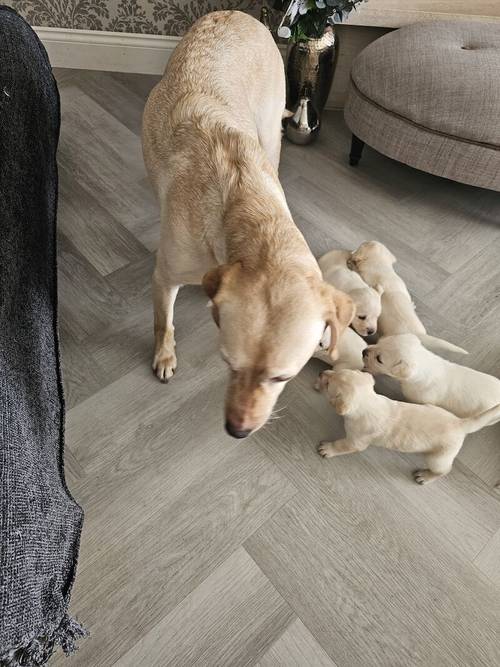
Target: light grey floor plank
{"x": 150, "y": 542}
{"x": 83, "y": 376}
{"x": 230, "y": 619}
{"x": 376, "y": 569}
{"x": 110, "y": 166}
{"x": 471, "y": 295}
{"x": 87, "y": 302}
{"x": 103, "y": 241}
{"x": 488, "y": 561}
{"x": 296, "y": 648}
{"x": 118, "y": 97}
{"x": 373, "y": 587}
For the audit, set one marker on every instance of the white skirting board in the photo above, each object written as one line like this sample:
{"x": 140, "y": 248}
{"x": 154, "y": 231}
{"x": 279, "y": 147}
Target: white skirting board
{"x": 107, "y": 51}
{"x": 111, "y": 51}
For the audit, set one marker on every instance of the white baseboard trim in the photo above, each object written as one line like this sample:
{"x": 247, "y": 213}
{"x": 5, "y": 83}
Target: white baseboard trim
{"x": 112, "y": 51}
{"x": 107, "y": 51}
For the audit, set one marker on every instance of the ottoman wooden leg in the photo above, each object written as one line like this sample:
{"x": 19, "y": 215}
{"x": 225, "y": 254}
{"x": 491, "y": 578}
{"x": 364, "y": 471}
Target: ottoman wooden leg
{"x": 356, "y": 150}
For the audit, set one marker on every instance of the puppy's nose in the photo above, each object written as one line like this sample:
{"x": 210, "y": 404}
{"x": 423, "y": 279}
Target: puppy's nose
{"x": 370, "y": 332}
{"x": 235, "y": 432}
{"x": 365, "y": 353}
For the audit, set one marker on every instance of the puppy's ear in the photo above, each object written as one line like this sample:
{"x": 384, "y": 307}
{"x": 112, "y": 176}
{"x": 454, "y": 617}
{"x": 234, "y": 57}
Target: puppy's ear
{"x": 379, "y": 289}
{"x": 339, "y": 313}
{"x": 213, "y": 279}
{"x": 341, "y": 405}
{"x": 404, "y": 369}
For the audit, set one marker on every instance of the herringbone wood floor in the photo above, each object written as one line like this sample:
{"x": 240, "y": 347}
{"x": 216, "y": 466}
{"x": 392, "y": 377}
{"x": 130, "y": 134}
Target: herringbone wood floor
{"x": 200, "y": 550}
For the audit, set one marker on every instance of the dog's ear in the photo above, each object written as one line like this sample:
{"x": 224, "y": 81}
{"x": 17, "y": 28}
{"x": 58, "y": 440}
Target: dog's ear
{"x": 379, "y": 289}
{"x": 341, "y": 405}
{"x": 339, "y": 313}
{"x": 404, "y": 369}
{"x": 213, "y": 279}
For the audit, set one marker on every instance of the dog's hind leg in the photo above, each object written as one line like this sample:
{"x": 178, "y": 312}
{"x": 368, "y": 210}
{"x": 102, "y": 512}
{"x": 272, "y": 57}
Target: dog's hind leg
{"x": 439, "y": 465}
{"x": 164, "y": 294}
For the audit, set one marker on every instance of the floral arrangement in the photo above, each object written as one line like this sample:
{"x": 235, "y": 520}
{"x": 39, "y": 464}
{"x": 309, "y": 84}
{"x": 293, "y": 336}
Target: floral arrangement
{"x": 306, "y": 19}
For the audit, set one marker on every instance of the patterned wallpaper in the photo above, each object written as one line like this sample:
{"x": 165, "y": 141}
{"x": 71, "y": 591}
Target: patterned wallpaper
{"x": 164, "y": 17}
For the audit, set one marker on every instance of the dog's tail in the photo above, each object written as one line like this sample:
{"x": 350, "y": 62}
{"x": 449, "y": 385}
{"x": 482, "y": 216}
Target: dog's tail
{"x": 486, "y": 418}
{"x": 440, "y": 345}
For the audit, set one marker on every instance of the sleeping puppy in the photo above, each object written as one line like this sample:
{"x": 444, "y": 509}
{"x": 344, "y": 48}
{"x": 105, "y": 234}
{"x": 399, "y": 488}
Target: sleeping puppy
{"x": 374, "y": 262}
{"x": 335, "y": 271}
{"x": 349, "y": 349}
{"x": 372, "y": 419}
{"x": 427, "y": 378}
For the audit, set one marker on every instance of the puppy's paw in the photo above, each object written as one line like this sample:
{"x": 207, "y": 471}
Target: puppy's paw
{"x": 326, "y": 449}
{"x": 164, "y": 366}
{"x": 425, "y": 476}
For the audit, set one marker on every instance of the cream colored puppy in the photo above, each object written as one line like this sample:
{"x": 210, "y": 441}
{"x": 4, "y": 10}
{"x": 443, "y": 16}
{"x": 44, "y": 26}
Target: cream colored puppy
{"x": 372, "y": 419}
{"x": 349, "y": 349}
{"x": 335, "y": 271}
{"x": 374, "y": 263}
{"x": 427, "y": 378}
{"x": 211, "y": 141}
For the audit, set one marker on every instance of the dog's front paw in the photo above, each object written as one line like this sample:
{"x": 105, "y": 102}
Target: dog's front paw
{"x": 326, "y": 449}
{"x": 425, "y": 476}
{"x": 164, "y": 366}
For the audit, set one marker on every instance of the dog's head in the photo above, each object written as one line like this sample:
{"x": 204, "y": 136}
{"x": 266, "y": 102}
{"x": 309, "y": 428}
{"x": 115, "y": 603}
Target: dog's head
{"x": 371, "y": 252}
{"x": 396, "y": 356}
{"x": 268, "y": 331}
{"x": 346, "y": 389}
{"x": 368, "y": 309}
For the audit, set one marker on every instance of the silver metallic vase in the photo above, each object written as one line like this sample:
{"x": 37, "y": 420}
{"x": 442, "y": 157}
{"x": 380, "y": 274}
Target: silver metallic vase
{"x": 311, "y": 66}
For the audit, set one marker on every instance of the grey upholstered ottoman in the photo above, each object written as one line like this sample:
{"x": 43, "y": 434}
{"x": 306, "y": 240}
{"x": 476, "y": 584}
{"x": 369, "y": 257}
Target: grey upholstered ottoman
{"x": 428, "y": 95}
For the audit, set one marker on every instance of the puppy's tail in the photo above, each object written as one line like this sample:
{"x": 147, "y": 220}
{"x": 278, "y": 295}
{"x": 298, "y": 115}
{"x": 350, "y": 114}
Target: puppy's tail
{"x": 440, "y": 345}
{"x": 486, "y": 418}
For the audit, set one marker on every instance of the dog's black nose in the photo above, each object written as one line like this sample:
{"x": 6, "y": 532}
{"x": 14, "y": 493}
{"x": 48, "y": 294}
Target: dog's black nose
{"x": 236, "y": 433}
{"x": 370, "y": 332}
{"x": 365, "y": 352}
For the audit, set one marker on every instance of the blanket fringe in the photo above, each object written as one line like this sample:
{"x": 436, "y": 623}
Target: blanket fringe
{"x": 37, "y": 650}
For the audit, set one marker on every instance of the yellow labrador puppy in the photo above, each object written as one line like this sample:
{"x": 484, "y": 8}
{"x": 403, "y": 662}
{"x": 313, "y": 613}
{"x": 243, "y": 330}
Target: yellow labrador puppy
{"x": 374, "y": 263}
{"x": 211, "y": 140}
{"x": 427, "y": 378}
{"x": 334, "y": 267}
{"x": 350, "y": 349}
{"x": 372, "y": 419}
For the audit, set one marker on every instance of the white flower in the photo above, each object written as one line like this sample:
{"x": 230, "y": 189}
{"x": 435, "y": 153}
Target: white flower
{"x": 284, "y": 32}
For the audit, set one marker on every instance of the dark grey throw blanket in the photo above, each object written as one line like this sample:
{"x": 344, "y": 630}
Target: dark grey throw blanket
{"x": 40, "y": 523}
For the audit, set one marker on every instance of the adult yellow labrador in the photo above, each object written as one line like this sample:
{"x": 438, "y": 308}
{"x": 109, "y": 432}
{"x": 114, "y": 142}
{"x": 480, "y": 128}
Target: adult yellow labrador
{"x": 211, "y": 139}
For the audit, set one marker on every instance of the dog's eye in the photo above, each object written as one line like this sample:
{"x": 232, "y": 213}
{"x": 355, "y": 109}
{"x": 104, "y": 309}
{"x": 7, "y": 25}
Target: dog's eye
{"x": 378, "y": 358}
{"x": 361, "y": 317}
{"x": 280, "y": 378}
